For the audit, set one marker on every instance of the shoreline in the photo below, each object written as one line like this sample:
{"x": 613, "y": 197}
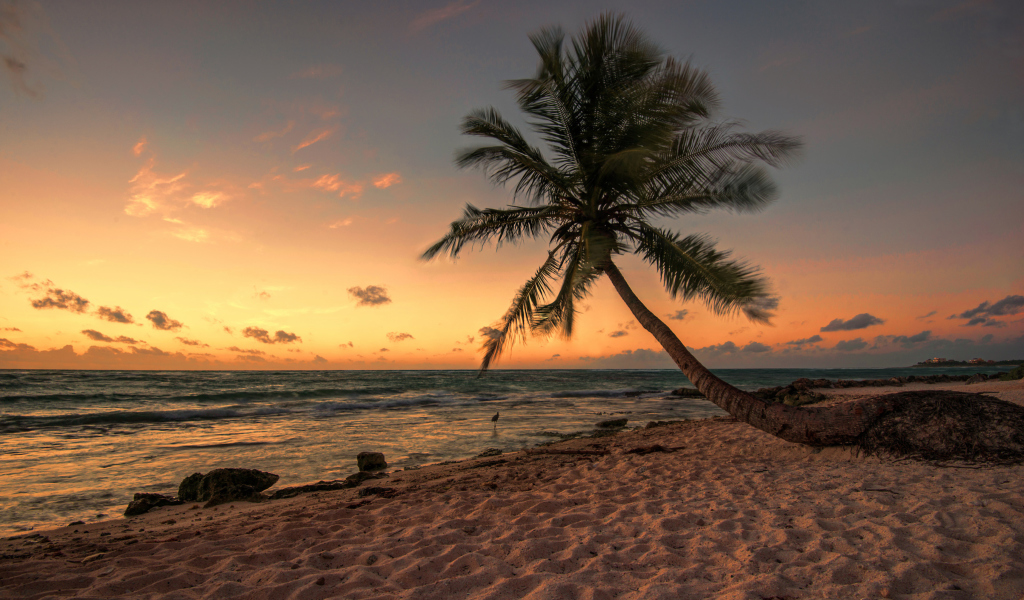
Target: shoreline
{"x": 727, "y": 511}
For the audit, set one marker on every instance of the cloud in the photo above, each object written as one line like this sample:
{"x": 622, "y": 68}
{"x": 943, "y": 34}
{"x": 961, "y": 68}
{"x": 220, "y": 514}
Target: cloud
{"x": 262, "y": 335}
{"x": 383, "y": 350}
{"x": 261, "y": 295}
{"x": 641, "y": 358}
{"x": 20, "y": 26}
{"x": 371, "y": 295}
{"x": 679, "y": 315}
{"x": 340, "y": 223}
{"x": 139, "y": 147}
{"x": 319, "y": 359}
{"x": 860, "y": 321}
{"x": 189, "y": 342}
{"x": 11, "y": 329}
{"x": 6, "y": 344}
{"x": 96, "y": 336}
{"x": 435, "y": 16}
{"x": 244, "y": 351}
{"x": 209, "y": 199}
{"x": 851, "y": 345}
{"x": 619, "y": 333}
{"x": 923, "y": 317}
{"x": 903, "y": 340}
{"x": 313, "y": 138}
{"x": 65, "y": 300}
{"x": 398, "y": 337}
{"x": 324, "y": 71}
{"x": 814, "y": 339}
{"x": 983, "y": 313}
{"x": 114, "y": 315}
{"x": 718, "y": 349}
{"x": 334, "y": 183}
{"x": 151, "y": 192}
{"x": 387, "y": 180}
{"x": 756, "y": 347}
{"x": 266, "y": 136}
{"x": 161, "y": 321}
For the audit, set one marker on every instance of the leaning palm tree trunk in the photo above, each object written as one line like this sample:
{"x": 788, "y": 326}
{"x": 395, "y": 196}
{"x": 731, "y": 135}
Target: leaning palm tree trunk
{"x": 819, "y": 426}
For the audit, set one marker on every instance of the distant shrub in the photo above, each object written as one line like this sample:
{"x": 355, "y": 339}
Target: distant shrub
{"x": 1017, "y": 373}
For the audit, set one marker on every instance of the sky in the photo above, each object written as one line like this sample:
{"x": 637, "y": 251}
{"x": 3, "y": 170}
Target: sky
{"x": 249, "y": 185}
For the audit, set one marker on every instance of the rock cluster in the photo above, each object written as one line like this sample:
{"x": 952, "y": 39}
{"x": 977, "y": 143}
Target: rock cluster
{"x": 801, "y": 391}
{"x": 226, "y": 485}
{"x": 232, "y": 485}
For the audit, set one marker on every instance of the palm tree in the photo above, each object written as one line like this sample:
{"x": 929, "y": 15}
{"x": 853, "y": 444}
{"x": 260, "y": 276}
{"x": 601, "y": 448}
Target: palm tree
{"x": 630, "y": 141}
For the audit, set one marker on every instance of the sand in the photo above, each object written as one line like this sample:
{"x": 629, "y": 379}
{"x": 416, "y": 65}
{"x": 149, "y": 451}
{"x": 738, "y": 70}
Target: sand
{"x": 729, "y": 512}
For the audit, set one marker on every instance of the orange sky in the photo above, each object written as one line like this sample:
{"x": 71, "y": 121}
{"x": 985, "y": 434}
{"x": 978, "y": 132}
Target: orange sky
{"x": 225, "y": 188}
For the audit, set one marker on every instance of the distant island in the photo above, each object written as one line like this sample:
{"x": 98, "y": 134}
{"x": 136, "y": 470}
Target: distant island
{"x": 974, "y": 362}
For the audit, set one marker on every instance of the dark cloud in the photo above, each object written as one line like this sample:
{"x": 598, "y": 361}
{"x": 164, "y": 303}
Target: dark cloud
{"x": 189, "y": 342}
{"x": 244, "y": 351}
{"x": 262, "y": 335}
{"x": 718, "y": 349}
{"x": 456, "y": 349}
{"x": 350, "y": 345}
{"x": 756, "y": 347}
{"x": 619, "y": 333}
{"x": 851, "y": 345}
{"x": 641, "y": 358}
{"x": 11, "y": 329}
{"x": 383, "y": 350}
{"x": 20, "y": 26}
{"x": 860, "y": 321}
{"x": 251, "y": 358}
{"x": 229, "y": 330}
{"x": 161, "y": 321}
{"x": 931, "y": 314}
{"x": 319, "y": 359}
{"x": 814, "y": 339}
{"x": 913, "y": 340}
{"x": 398, "y": 337}
{"x": 983, "y": 313}
{"x": 65, "y": 300}
{"x": 96, "y": 336}
{"x": 114, "y": 315}
{"x": 679, "y": 315}
{"x": 7, "y": 344}
{"x": 371, "y": 295}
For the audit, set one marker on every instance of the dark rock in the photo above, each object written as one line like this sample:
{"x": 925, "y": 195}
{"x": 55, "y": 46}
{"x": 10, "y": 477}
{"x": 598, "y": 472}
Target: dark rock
{"x": 143, "y": 503}
{"x": 226, "y": 485}
{"x": 383, "y": 492}
{"x": 361, "y": 476}
{"x": 977, "y": 378}
{"x": 371, "y": 461}
{"x": 320, "y": 486}
{"x": 489, "y": 452}
{"x": 687, "y": 393}
{"x": 612, "y": 423}
{"x": 648, "y": 449}
{"x": 652, "y": 424}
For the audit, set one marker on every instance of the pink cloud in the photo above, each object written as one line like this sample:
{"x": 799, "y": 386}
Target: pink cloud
{"x": 334, "y": 183}
{"x": 266, "y": 136}
{"x": 433, "y": 17}
{"x": 313, "y": 138}
{"x": 151, "y": 191}
{"x": 387, "y": 180}
{"x": 139, "y": 146}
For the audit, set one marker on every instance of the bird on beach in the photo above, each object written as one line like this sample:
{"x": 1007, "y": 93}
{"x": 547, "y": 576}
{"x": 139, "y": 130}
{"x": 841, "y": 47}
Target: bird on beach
{"x": 494, "y": 419}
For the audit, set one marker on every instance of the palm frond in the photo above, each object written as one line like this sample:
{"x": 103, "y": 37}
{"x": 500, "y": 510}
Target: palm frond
{"x": 501, "y": 225}
{"x": 519, "y": 318}
{"x": 692, "y": 267}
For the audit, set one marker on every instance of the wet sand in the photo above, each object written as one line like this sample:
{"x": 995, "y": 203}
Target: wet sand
{"x": 726, "y": 512}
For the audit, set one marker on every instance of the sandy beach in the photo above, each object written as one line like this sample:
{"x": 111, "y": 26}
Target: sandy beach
{"x": 695, "y": 509}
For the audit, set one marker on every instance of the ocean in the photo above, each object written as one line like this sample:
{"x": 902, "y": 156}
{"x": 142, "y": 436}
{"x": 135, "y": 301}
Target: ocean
{"x": 75, "y": 445}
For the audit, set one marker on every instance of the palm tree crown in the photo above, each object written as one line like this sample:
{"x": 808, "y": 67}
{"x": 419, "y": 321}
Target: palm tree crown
{"x": 629, "y": 140}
